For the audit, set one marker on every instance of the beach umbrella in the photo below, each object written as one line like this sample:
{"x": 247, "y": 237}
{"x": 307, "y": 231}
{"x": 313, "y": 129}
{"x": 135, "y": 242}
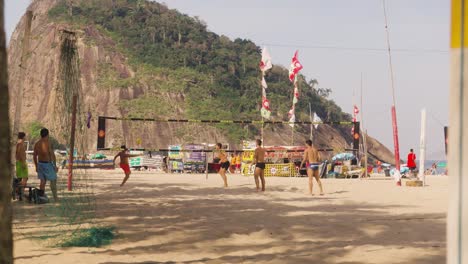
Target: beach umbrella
{"x": 343, "y": 156}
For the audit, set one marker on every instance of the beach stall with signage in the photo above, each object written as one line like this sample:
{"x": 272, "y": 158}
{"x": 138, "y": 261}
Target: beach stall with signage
{"x": 175, "y": 159}
{"x": 281, "y": 161}
{"x": 194, "y": 160}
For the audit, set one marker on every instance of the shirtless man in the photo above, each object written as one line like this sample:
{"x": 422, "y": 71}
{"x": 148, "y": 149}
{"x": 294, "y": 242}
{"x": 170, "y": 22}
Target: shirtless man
{"x": 311, "y": 158}
{"x": 124, "y": 165}
{"x": 45, "y": 163}
{"x": 224, "y": 163}
{"x": 21, "y": 164}
{"x": 259, "y": 160}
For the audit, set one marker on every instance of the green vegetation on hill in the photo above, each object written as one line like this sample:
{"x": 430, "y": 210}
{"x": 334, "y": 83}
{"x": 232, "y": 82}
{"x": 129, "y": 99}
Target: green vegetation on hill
{"x": 172, "y": 53}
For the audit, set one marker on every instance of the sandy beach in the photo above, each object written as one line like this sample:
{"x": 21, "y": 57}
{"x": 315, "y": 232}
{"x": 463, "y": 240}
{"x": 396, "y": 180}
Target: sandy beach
{"x": 186, "y": 218}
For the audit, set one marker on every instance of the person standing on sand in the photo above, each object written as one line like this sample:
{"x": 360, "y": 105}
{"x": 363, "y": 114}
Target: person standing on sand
{"x": 238, "y": 163}
{"x": 21, "y": 164}
{"x": 312, "y": 158}
{"x": 124, "y": 165}
{"x": 259, "y": 161}
{"x": 224, "y": 163}
{"x": 45, "y": 163}
{"x": 411, "y": 163}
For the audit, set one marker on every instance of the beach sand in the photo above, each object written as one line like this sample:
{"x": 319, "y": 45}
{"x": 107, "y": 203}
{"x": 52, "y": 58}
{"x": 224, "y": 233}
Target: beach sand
{"x": 186, "y": 218}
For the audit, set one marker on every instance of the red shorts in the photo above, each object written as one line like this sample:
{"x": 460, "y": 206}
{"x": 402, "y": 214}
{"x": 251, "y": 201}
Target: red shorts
{"x": 125, "y": 168}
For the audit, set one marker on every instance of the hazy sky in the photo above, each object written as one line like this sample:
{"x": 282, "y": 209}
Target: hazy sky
{"x": 337, "y": 41}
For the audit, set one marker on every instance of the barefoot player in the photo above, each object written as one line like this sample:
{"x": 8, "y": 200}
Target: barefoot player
{"x": 46, "y": 164}
{"x": 259, "y": 161}
{"x": 224, "y": 163}
{"x": 124, "y": 165}
{"x": 311, "y": 158}
{"x": 21, "y": 164}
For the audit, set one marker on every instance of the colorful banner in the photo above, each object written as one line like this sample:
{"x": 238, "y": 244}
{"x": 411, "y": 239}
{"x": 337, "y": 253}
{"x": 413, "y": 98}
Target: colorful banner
{"x": 265, "y": 65}
{"x": 294, "y": 69}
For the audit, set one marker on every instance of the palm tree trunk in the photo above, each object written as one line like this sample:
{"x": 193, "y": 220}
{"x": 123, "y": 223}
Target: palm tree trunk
{"x": 6, "y": 238}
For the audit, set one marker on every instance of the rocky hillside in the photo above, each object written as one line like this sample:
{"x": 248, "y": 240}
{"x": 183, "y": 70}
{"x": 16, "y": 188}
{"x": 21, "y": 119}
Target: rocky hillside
{"x": 141, "y": 59}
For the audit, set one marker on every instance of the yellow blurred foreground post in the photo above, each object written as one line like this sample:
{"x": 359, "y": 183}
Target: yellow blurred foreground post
{"x": 457, "y": 222}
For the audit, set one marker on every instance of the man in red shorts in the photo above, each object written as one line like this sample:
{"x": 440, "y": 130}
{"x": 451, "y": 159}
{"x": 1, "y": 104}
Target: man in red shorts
{"x": 124, "y": 155}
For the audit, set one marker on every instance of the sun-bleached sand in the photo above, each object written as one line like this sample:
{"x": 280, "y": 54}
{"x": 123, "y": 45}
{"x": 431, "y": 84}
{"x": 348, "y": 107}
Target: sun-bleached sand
{"x": 186, "y": 218}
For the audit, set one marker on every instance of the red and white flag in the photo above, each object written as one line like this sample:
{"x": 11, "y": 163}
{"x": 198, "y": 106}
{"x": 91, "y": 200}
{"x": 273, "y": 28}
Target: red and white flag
{"x": 356, "y": 111}
{"x": 265, "y": 63}
{"x": 295, "y": 67}
{"x": 264, "y": 84}
{"x": 292, "y": 116}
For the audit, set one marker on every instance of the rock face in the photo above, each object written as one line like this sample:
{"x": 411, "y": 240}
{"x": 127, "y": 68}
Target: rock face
{"x": 40, "y": 101}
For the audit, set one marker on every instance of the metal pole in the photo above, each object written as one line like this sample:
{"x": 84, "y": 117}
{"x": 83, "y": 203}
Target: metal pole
{"x": 311, "y": 125}
{"x": 206, "y": 165}
{"x": 364, "y": 134}
{"x": 422, "y": 147}
{"x": 393, "y": 109}
{"x": 72, "y": 143}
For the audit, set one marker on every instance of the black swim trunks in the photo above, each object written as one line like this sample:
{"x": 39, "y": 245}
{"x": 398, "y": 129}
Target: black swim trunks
{"x": 225, "y": 165}
{"x": 260, "y": 165}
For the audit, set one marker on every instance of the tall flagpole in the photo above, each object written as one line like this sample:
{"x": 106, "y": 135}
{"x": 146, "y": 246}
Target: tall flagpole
{"x": 261, "y": 131}
{"x": 422, "y": 147}
{"x": 311, "y": 125}
{"x": 393, "y": 110}
{"x": 364, "y": 134}
{"x": 457, "y": 216}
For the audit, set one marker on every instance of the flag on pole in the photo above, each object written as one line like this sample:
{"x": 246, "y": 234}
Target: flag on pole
{"x": 356, "y": 111}
{"x": 88, "y": 120}
{"x": 265, "y": 113}
{"x": 355, "y": 119}
{"x": 265, "y": 63}
{"x": 295, "y": 67}
{"x": 292, "y": 116}
{"x": 316, "y": 119}
{"x": 264, "y": 84}
{"x": 296, "y": 94}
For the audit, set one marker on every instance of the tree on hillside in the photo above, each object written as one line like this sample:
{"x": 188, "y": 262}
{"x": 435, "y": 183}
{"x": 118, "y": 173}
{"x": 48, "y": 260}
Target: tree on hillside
{"x": 6, "y": 238}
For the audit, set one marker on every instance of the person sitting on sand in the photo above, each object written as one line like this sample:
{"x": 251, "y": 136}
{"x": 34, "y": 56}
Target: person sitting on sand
{"x": 224, "y": 163}
{"x": 124, "y": 165}
{"x": 312, "y": 160}
{"x": 259, "y": 161}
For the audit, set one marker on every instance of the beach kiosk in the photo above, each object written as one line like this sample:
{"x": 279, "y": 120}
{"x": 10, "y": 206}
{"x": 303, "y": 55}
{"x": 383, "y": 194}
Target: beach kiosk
{"x": 175, "y": 159}
{"x": 281, "y": 161}
{"x": 194, "y": 159}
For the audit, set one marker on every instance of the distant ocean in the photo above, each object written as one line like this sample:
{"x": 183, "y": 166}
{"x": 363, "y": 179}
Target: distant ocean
{"x": 428, "y": 165}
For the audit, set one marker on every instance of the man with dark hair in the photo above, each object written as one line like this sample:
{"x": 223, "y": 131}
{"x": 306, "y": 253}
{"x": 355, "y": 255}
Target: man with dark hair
{"x": 411, "y": 163}
{"x": 259, "y": 161}
{"x": 124, "y": 165}
{"x": 21, "y": 164}
{"x": 224, "y": 163}
{"x": 312, "y": 158}
{"x": 45, "y": 163}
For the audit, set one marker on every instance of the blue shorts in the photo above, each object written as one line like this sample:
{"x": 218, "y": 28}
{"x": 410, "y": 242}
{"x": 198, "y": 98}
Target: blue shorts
{"x": 313, "y": 166}
{"x": 46, "y": 171}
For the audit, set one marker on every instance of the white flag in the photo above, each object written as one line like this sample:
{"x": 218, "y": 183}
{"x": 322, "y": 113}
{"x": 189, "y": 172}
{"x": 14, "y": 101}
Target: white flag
{"x": 265, "y": 64}
{"x": 316, "y": 119}
{"x": 264, "y": 84}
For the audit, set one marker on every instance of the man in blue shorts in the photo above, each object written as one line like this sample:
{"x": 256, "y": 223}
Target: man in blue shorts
{"x": 312, "y": 160}
{"x": 45, "y": 162}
